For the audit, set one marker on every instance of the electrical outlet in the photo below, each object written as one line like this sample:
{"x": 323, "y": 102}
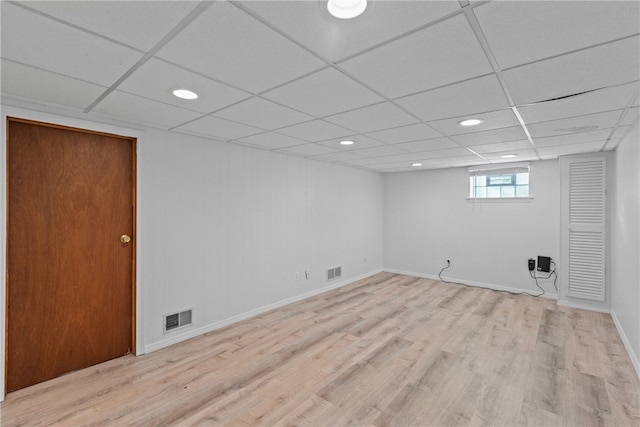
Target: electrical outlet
{"x": 307, "y": 274}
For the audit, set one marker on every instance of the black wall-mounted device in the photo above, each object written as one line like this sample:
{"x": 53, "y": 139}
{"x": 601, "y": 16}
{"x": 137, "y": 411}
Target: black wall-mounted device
{"x": 532, "y": 264}
{"x": 544, "y": 263}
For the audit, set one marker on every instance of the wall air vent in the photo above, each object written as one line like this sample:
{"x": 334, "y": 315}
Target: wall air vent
{"x": 178, "y": 320}
{"x": 334, "y": 273}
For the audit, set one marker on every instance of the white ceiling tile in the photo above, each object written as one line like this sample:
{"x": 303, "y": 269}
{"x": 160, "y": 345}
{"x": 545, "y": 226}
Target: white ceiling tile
{"x": 521, "y": 158}
{"x": 631, "y": 117}
{"x": 481, "y": 94}
{"x": 607, "y": 65}
{"x": 335, "y": 39}
{"x": 365, "y": 161}
{"x": 620, "y": 132}
{"x": 427, "y": 145}
{"x": 134, "y": 109}
{"x": 42, "y": 85}
{"x": 458, "y": 161}
{"x": 227, "y": 44}
{"x": 308, "y": 150}
{"x": 403, "y": 159}
{"x": 448, "y": 152}
{"x": 501, "y": 146}
{"x": 383, "y": 150}
{"x": 271, "y": 141}
{"x": 525, "y": 31}
{"x": 360, "y": 141}
{"x": 613, "y": 98}
{"x": 384, "y": 171}
{"x": 560, "y": 150}
{"x": 403, "y": 166}
{"x": 444, "y": 53}
{"x": 405, "y": 133}
{"x": 522, "y": 154}
{"x": 261, "y": 113}
{"x": 135, "y": 23}
{"x": 372, "y": 118}
{"x": 612, "y": 145}
{"x": 41, "y": 42}
{"x": 575, "y": 124}
{"x": 492, "y": 120}
{"x": 219, "y": 128}
{"x": 323, "y": 93}
{"x": 573, "y": 138}
{"x": 315, "y": 131}
{"x": 337, "y": 157}
{"x": 155, "y": 79}
{"x": 490, "y": 136}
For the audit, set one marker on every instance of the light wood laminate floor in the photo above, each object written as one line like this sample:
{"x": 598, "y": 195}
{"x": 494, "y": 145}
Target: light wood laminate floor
{"x": 388, "y": 350}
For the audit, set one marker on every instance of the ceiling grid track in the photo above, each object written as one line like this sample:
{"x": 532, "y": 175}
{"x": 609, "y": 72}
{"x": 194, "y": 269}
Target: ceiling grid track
{"x": 545, "y": 79}
{"x": 201, "y": 7}
{"x": 634, "y": 98}
{"x": 337, "y": 67}
{"x": 475, "y": 26}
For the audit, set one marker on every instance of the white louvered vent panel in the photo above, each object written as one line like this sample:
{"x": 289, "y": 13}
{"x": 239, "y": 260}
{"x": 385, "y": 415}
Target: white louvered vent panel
{"x": 586, "y": 192}
{"x": 586, "y": 265}
{"x": 584, "y": 233}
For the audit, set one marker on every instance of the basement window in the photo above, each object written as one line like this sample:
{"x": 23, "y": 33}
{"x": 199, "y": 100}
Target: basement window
{"x": 504, "y": 181}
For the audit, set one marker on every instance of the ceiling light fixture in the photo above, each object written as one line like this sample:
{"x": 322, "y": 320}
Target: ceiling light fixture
{"x": 346, "y": 9}
{"x": 184, "y": 94}
{"x": 508, "y": 156}
{"x": 471, "y": 122}
{"x": 347, "y": 142}
{"x": 416, "y": 165}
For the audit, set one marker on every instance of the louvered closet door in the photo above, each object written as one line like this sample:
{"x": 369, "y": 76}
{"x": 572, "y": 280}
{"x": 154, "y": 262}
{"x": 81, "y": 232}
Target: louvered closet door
{"x": 584, "y": 223}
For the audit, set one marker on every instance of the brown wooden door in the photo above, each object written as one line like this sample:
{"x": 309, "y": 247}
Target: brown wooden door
{"x": 69, "y": 277}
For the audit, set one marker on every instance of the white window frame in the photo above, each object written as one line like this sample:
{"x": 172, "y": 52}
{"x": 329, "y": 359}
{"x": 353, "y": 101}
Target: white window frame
{"x": 500, "y": 169}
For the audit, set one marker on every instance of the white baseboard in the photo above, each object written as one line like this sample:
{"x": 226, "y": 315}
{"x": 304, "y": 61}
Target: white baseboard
{"x": 571, "y": 304}
{"x": 192, "y": 333}
{"x": 471, "y": 283}
{"x": 627, "y": 345}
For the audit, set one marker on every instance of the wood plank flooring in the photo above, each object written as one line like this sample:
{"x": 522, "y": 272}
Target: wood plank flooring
{"x": 390, "y": 350}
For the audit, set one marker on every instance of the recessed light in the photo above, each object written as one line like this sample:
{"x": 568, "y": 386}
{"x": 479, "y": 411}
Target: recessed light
{"x": 471, "y": 122}
{"x": 347, "y": 142}
{"x": 416, "y": 165}
{"x": 346, "y": 9}
{"x": 508, "y": 156}
{"x": 184, "y": 94}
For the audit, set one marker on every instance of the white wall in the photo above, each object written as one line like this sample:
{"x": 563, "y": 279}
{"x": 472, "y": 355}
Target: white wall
{"x": 223, "y": 229}
{"x": 428, "y": 219}
{"x": 226, "y": 228}
{"x": 625, "y": 243}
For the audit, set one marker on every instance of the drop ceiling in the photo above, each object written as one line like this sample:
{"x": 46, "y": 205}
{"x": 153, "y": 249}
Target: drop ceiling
{"x": 548, "y": 78}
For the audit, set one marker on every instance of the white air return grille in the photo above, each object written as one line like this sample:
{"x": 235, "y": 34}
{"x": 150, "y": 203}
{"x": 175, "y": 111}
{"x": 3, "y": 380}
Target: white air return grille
{"x": 334, "y": 273}
{"x": 178, "y": 320}
{"x": 586, "y": 192}
{"x": 585, "y": 232}
{"x": 586, "y": 264}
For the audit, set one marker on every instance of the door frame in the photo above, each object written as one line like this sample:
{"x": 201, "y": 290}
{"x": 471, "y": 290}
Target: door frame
{"x": 137, "y": 306}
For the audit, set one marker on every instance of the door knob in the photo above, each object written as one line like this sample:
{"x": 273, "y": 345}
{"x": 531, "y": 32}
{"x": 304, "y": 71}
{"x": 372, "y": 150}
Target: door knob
{"x": 125, "y": 239}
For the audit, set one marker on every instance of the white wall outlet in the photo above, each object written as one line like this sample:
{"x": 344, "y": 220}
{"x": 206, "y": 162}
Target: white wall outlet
{"x": 307, "y": 274}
